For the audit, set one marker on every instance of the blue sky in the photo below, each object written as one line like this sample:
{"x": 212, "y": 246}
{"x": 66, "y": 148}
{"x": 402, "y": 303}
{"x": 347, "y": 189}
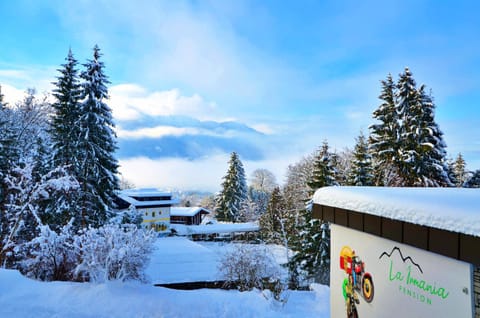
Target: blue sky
{"x": 195, "y": 80}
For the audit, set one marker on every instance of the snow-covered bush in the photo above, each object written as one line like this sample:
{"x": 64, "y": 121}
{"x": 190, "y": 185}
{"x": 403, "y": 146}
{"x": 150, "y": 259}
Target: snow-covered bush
{"x": 113, "y": 252}
{"x": 250, "y": 267}
{"x": 50, "y": 256}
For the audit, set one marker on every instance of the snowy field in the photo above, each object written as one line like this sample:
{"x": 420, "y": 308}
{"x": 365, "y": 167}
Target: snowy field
{"x": 174, "y": 260}
{"x": 177, "y": 259}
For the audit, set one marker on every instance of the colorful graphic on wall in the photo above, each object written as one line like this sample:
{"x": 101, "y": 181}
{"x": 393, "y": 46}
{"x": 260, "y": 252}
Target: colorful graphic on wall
{"x": 374, "y": 277}
{"x": 357, "y": 281}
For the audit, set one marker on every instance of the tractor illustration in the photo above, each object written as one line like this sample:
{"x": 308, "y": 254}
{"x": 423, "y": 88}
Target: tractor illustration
{"x": 358, "y": 279}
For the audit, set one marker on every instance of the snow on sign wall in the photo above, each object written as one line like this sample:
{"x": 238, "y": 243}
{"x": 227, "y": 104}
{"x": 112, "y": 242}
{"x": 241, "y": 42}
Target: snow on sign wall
{"x": 376, "y": 277}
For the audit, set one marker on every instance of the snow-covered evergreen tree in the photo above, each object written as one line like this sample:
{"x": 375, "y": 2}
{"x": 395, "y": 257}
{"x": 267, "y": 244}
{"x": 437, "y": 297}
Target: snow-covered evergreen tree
{"x": 459, "y": 171}
{"x": 361, "y": 172}
{"x": 383, "y": 138}
{"x": 231, "y": 198}
{"x": 96, "y": 166}
{"x": 324, "y": 169}
{"x": 64, "y": 132}
{"x": 430, "y": 144}
{"x": 63, "y": 127}
{"x": 273, "y": 223}
{"x": 409, "y": 116}
{"x": 313, "y": 255}
{"x": 407, "y": 144}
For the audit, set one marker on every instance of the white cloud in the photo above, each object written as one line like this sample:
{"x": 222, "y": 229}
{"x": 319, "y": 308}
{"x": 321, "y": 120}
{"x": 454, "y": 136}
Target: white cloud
{"x": 28, "y": 76}
{"x": 130, "y": 101}
{"x": 11, "y": 94}
{"x": 203, "y": 174}
{"x": 263, "y": 128}
{"x": 158, "y": 132}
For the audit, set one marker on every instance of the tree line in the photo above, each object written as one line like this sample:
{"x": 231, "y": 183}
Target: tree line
{"x": 58, "y": 177}
{"x": 404, "y": 148}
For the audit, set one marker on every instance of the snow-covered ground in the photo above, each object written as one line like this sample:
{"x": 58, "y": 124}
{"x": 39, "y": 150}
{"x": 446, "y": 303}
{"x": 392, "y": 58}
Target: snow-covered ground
{"x": 175, "y": 259}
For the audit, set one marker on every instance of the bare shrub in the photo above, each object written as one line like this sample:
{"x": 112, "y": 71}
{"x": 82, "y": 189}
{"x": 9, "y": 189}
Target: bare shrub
{"x": 249, "y": 267}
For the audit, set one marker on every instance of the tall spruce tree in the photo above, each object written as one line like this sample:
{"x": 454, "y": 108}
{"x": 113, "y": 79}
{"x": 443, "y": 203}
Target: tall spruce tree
{"x": 96, "y": 166}
{"x": 384, "y": 135}
{"x": 64, "y": 131}
{"x": 407, "y": 108}
{"x": 313, "y": 249}
{"x": 422, "y": 149}
{"x": 361, "y": 172}
{"x": 66, "y": 114}
{"x": 231, "y": 198}
{"x": 433, "y": 167}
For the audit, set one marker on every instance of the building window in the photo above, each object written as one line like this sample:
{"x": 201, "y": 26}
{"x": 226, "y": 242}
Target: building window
{"x": 153, "y": 214}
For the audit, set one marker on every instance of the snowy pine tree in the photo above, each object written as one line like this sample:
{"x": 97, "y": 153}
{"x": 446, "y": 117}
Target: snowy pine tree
{"x": 273, "y": 222}
{"x": 361, "y": 172}
{"x": 63, "y": 127}
{"x": 64, "y": 131}
{"x": 408, "y": 111}
{"x": 407, "y": 144}
{"x": 430, "y": 144}
{"x": 96, "y": 166}
{"x": 384, "y": 135}
{"x": 324, "y": 169}
{"x": 231, "y": 198}
{"x": 313, "y": 250}
{"x": 459, "y": 171}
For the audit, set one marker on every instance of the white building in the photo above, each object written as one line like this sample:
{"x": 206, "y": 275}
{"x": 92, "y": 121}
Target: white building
{"x": 154, "y": 206}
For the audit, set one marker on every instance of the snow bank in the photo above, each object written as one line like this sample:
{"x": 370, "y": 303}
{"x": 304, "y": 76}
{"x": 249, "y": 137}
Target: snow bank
{"x": 451, "y": 209}
{"x": 21, "y": 297}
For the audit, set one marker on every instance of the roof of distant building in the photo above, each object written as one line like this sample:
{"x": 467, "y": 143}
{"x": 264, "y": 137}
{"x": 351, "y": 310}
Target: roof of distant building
{"x": 188, "y": 211}
{"x": 147, "y": 197}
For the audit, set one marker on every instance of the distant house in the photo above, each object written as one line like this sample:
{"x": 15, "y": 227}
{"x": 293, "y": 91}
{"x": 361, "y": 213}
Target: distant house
{"x": 187, "y": 215}
{"x": 154, "y": 206}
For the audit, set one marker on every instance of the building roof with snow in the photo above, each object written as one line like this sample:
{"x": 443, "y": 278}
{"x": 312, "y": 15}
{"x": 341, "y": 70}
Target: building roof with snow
{"x": 147, "y": 197}
{"x": 188, "y": 211}
{"x": 445, "y": 221}
{"x": 451, "y": 209}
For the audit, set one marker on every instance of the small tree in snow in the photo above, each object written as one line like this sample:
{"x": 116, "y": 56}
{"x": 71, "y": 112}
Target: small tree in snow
{"x": 250, "y": 267}
{"x": 459, "y": 171}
